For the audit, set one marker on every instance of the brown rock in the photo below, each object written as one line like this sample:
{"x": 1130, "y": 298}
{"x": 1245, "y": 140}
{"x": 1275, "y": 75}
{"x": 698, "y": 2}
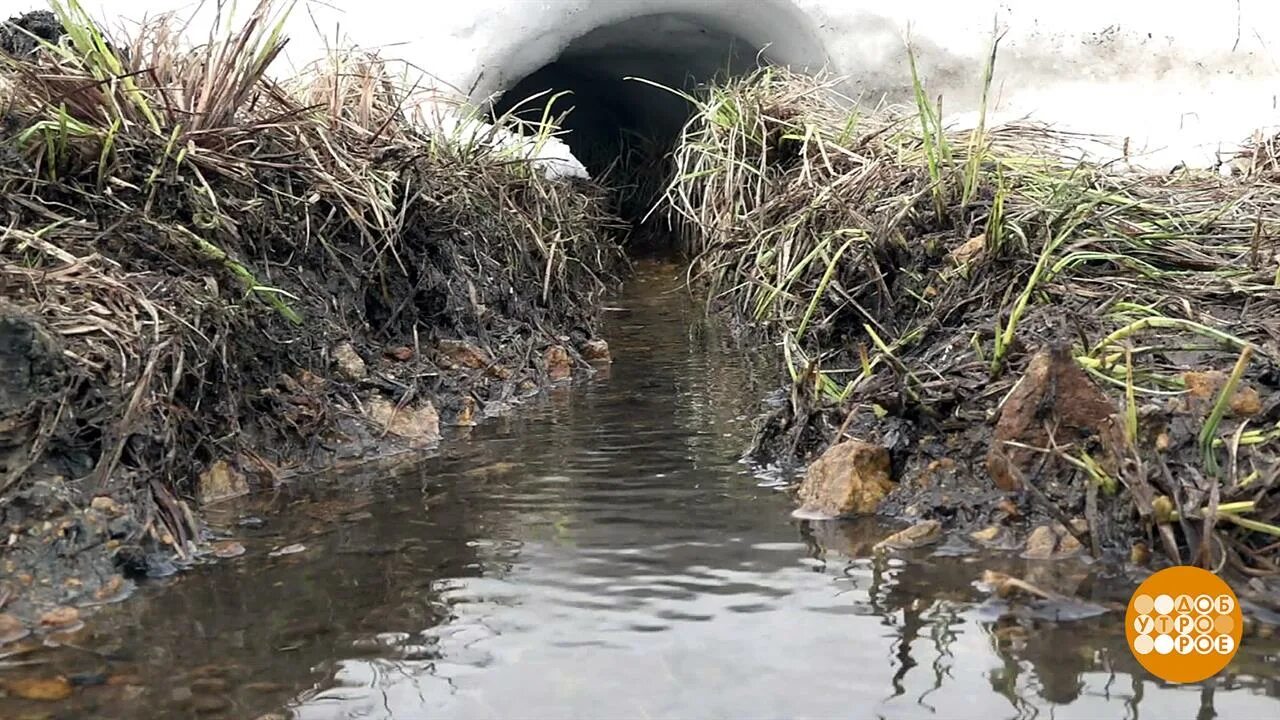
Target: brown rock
{"x": 106, "y": 506}
{"x": 41, "y": 689}
{"x": 419, "y": 425}
{"x": 1203, "y": 385}
{"x": 1041, "y": 544}
{"x": 559, "y": 366}
{"x": 60, "y": 617}
{"x": 1246, "y": 403}
{"x": 850, "y": 478}
{"x": 990, "y": 535}
{"x": 404, "y": 353}
{"x": 110, "y": 589}
{"x": 1054, "y": 392}
{"x": 350, "y": 365}
{"x": 11, "y": 629}
{"x": 466, "y": 416}
{"x": 228, "y": 549}
{"x": 970, "y": 250}
{"x": 922, "y": 533}
{"x": 596, "y": 351}
{"x": 221, "y": 481}
{"x": 463, "y": 354}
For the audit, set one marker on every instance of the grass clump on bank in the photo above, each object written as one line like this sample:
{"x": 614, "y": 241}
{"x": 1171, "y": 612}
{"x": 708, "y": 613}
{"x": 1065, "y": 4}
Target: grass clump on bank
{"x": 911, "y": 273}
{"x": 201, "y": 263}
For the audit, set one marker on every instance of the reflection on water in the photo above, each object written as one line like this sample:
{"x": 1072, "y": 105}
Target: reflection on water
{"x": 605, "y": 556}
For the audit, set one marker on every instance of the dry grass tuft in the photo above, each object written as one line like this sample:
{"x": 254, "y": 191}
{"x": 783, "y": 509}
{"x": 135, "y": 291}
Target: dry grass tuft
{"x": 186, "y": 240}
{"x": 909, "y": 271}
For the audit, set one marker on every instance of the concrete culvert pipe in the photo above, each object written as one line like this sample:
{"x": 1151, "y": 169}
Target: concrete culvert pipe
{"x": 615, "y": 83}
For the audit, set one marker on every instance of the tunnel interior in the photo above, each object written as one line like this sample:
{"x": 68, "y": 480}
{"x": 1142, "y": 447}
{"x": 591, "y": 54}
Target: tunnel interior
{"x": 622, "y": 130}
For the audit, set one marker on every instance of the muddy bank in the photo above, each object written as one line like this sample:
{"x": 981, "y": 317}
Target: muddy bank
{"x": 984, "y": 331}
{"x": 214, "y": 282}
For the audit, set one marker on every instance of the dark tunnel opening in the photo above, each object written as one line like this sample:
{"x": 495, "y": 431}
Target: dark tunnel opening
{"x": 621, "y": 129}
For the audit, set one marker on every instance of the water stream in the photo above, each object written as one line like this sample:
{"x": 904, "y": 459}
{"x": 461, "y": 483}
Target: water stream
{"x": 606, "y": 555}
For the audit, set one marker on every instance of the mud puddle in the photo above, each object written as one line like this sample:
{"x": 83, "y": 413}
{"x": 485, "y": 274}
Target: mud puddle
{"x": 605, "y": 555}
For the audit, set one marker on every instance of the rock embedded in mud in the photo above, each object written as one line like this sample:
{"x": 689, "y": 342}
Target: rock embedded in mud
{"x": 1053, "y": 542}
{"x": 596, "y": 351}
{"x": 350, "y": 365}
{"x": 559, "y": 365}
{"x": 417, "y": 425}
{"x": 39, "y": 689}
{"x": 1204, "y": 387}
{"x": 456, "y": 353}
{"x": 1041, "y": 544}
{"x": 60, "y": 617}
{"x": 11, "y": 629}
{"x": 922, "y": 533}
{"x": 970, "y": 250}
{"x": 221, "y": 481}
{"x": 1054, "y": 392}
{"x": 1246, "y": 402}
{"x": 403, "y": 353}
{"x": 851, "y": 478}
{"x": 107, "y": 506}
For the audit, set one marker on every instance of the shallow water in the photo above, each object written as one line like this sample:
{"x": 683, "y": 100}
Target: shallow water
{"x": 606, "y": 555}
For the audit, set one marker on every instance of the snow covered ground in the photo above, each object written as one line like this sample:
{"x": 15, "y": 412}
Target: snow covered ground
{"x": 1181, "y": 81}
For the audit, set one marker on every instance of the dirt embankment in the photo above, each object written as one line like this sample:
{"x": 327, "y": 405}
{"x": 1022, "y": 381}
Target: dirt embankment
{"x": 212, "y": 281}
{"x": 1036, "y": 347}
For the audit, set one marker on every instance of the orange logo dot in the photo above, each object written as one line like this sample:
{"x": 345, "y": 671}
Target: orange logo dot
{"x": 1183, "y": 624}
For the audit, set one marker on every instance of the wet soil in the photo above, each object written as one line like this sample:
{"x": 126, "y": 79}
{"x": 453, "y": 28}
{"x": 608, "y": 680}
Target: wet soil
{"x": 608, "y": 554}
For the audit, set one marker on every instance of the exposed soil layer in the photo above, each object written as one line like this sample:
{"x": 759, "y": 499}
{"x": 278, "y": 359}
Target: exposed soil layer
{"x": 1042, "y": 345}
{"x": 214, "y": 282}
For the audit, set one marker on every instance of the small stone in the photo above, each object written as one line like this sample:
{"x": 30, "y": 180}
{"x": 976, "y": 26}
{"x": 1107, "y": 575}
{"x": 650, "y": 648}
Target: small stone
{"x": 419, "y": 425}
{"x": 991, "y": 535}
{"x": 39, "y": 689}
{"x": 1203, "y": 385}
{"x": 970, "y": 250}
{"x": 1053, "y": 392}
{"x": 106, "y": 506}
{"x": 404, "y": 353}
{"x": 228, "y": 549}
{"x": 918, "y": 535}
{"x": 1068, "y": 546}
{"x": 110, "y": 589}
{"x": 1009, "y": 508}
{"x": 350, "y": 365}
{"x": 11, "y": 629}
{"x": 1041, "y": 543}
{"x": 559, "y": 366}
{"x": 1246, "y": 403}
{"x": 288, "y": 550}
{"x": 466, "y": 416}
{"x": 1140, "y": 553}
{"x": 457, "y": 353}
{"x": 221, "y": 481}
{"x": 851, "y": 478}
{"x": 60, "y": 617}
{"x": 596, "y": 351}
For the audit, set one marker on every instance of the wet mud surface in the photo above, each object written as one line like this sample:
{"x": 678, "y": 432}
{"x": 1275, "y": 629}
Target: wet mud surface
{"x": 607, "y": 554}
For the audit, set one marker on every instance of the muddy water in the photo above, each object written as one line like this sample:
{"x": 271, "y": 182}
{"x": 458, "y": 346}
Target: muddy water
{"x": 607, "y": 556}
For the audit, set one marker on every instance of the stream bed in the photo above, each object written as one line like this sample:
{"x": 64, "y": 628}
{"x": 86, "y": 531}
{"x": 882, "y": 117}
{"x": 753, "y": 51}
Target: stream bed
{"x": 605, "y": 554}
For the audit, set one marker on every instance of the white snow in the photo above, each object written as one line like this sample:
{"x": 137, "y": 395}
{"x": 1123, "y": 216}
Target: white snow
{"x": 1180, "y": 80}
